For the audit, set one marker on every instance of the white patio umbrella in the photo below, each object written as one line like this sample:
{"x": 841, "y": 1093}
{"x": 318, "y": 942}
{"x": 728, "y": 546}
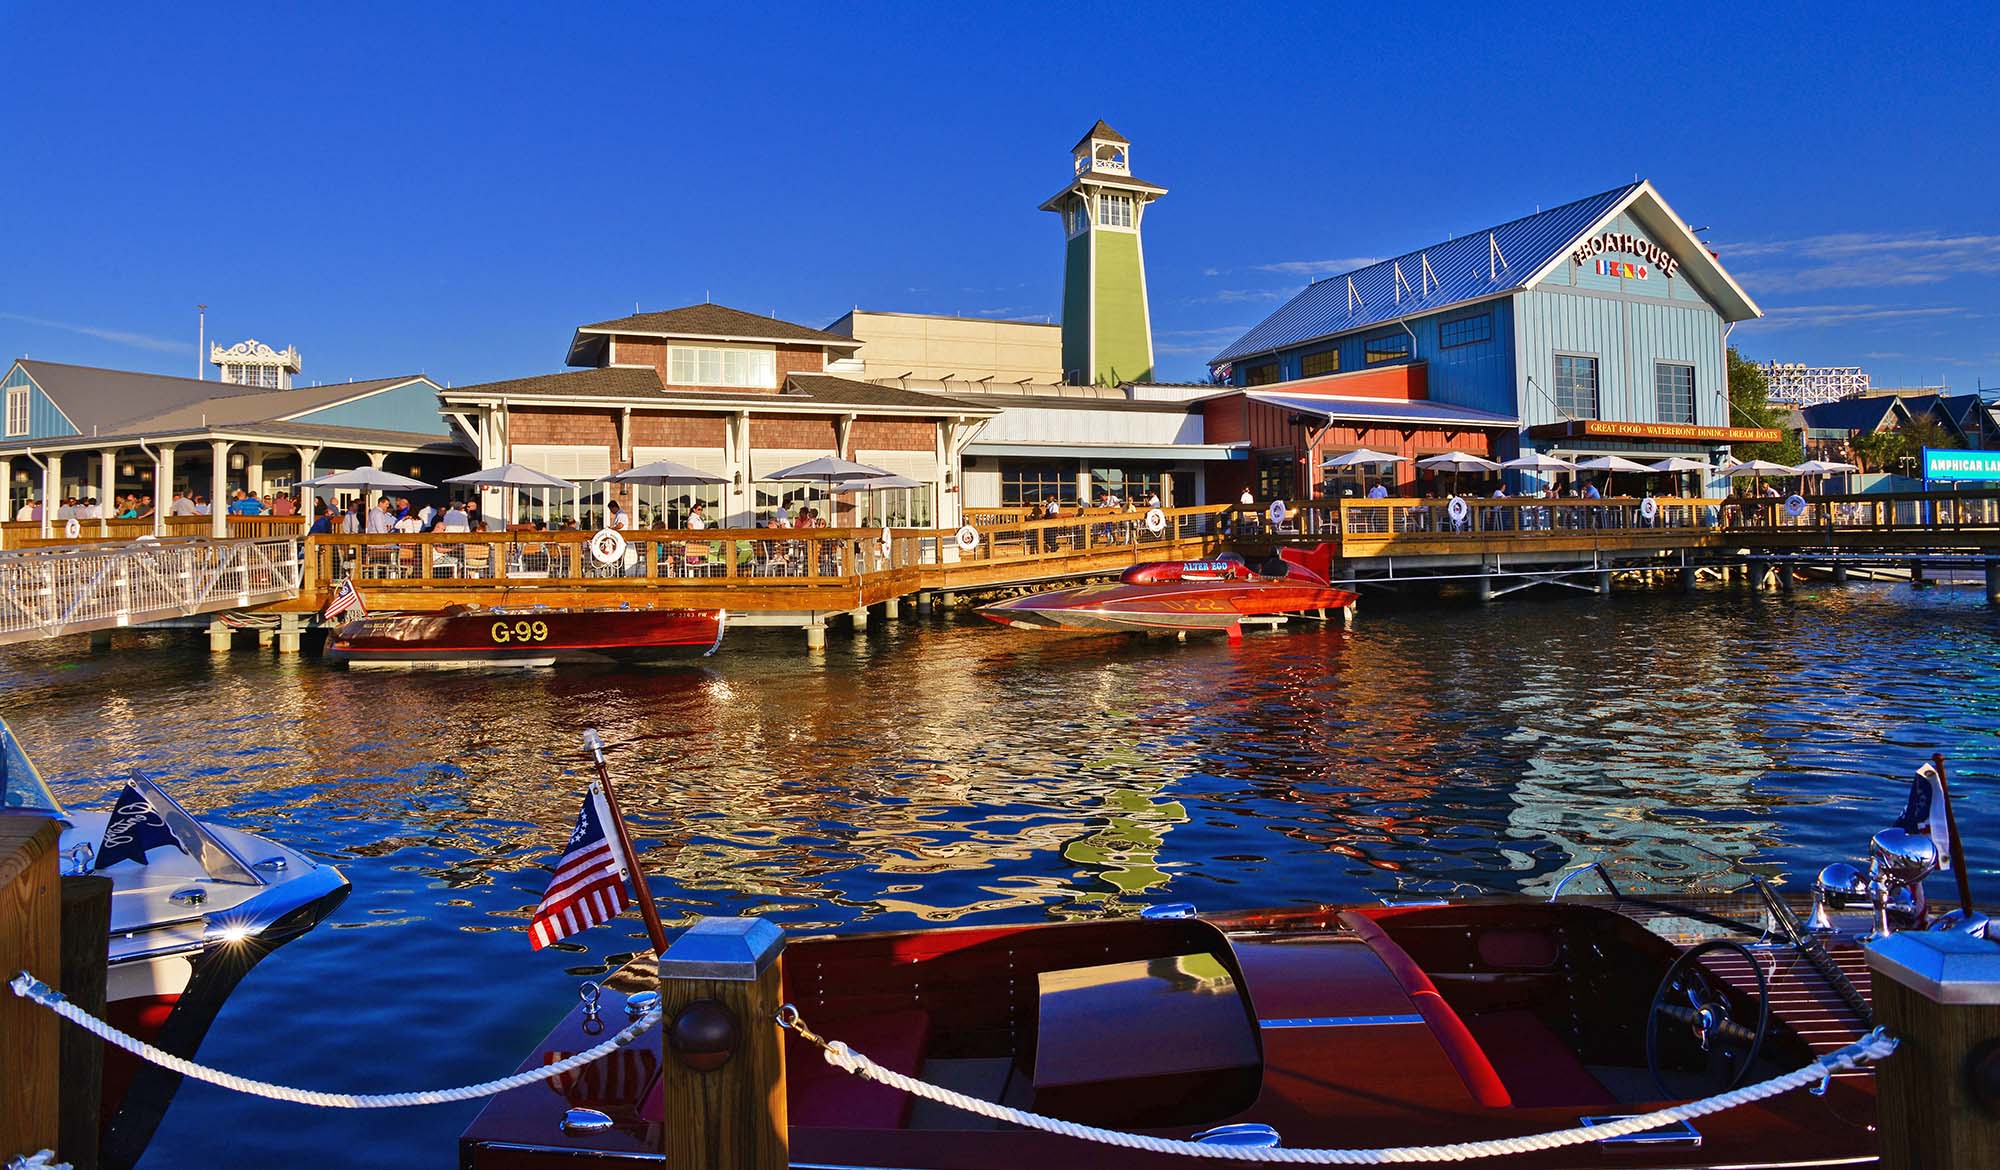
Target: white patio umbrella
{"x": 877, "y": 484}
{"x": 663, "y": 472}
{"x": 509, "y": 477}
{"x": 365, "y": 479}
{"x": 1757, "y": 467}
{"x": 828, "y": 470}
{"x": 1612, "y": 463}
{"x": 1363, "y": 458}
{"x": 1455, "y": 462}
{"x": 1824, "y": 467}
{"x": 1677, "y": 465}
{"x": 1537, "y": 461}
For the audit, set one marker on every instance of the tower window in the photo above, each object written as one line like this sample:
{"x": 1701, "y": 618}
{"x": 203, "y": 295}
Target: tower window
{"x": 1390, "y": 347}
{"x": 1079, "y": 218}
{"x": 1114, "y": 210}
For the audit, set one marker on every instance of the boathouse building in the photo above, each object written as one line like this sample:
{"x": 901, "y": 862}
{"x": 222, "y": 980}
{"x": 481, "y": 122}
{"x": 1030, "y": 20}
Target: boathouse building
{"x": 728, "y": 392}
{"x": 1597, "y": 327}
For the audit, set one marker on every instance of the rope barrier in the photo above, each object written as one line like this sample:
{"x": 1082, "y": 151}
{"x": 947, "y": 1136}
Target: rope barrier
{"x": 1871, "y": 1047}
{"x": 30, "y": 988}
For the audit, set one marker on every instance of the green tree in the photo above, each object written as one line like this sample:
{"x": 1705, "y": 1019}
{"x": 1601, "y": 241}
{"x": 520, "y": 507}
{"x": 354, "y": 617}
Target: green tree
{"x": 1750, "y": 406}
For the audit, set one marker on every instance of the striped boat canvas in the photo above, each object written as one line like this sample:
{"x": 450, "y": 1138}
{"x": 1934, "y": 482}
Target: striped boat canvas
{"x": 589, "y": 883}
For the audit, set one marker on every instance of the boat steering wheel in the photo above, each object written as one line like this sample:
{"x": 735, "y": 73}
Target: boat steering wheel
{"x": 1696, "y": 998}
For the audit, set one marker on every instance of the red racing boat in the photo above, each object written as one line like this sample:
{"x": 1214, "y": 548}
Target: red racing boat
{"x": 461, "y": 636}
{"x": 1363, "y": 1026}
{"x": 1178, "y": 596}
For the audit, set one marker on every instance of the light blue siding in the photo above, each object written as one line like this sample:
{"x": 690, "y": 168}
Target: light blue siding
{"x": 45, "y": 421}
{"x": 1628, "y": 336}
{"x": 1479, "y": 374}
{"x": 412, "y": 407}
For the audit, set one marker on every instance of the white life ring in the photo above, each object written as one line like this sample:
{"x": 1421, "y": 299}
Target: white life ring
{"x": 886, "y": 544}
{"x": 1649, "y": 508}
{"x": 1277, "y": 512}
{"x": 72, "y": 529}
{"x": 1458, "y": 509}
{"x": 607, "y": 546}
{"x": 968, "y": 538}
{"x": 1156, "y": 521}
{"x": 1795, "y": 506}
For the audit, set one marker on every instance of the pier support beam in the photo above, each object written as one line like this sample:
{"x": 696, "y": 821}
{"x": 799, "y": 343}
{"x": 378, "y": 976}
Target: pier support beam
{"x": 86, "y": 939}
{"x": 816, "y": 636}
{"x": 1604, "y": 582}
{"x": 950, "y": 600}
{"x": 1784, "y": 576}
{"x": 266, "y": 637}
{"x": 219, "y": 636}
{"x": 892, "y": 609}
{"x": 290, "y": 627}
{"x": 924, "y": 605}
{"x": 1347, "y": 614}
{"x": 860, "y": 617}
{"x": 1993, "y": 580}
{"x": 1839, "y": 573}
{"x": 1916, "y": 572}
{"x": 1939, "y": 991}
{"x": 100, "y": 641}
{"x": 31, "y": 941}
{"x": 1484, "y": 585}
{"x": 1688, "y": 575}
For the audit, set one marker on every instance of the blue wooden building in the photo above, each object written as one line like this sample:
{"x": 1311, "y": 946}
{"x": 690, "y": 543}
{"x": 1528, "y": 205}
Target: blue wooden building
{"x": 1599, "y": 326}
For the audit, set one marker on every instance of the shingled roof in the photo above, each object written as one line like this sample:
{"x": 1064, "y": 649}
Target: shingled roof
{"x": 1102, "y": 131}
{"x": 642, "y": 383}
{"x": 705, "y": 322}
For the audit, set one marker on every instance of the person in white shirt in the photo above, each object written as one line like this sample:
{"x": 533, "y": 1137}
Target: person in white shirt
{"x": 26, "y": 513}
{"x": 1378, "y": 492}
{"x": 424, "y": 518}
{"x": 88, "y": 509}
{"x": 201, "y": 506}
{"x": 1152, "y": 499}
{"x": 182, "y": 505}
{"x": 697, "y": 517}
{"x": 1246, "y": 499}
{"x": 410, "y": 524}
{"x": 455, "y": 519}
{"x": 615, "y": 518}
{"x": 381, "y": 518}
{"x": 66, "y": 510}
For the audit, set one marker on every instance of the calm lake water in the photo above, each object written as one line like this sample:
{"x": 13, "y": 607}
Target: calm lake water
{"x": 953, "y": 771}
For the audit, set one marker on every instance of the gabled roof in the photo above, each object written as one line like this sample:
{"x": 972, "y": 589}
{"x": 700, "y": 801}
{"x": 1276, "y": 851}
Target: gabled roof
{"x": 706, "y": 322}
{"x": 264, "y": 405}
{"x": 642, "y": 384}
{"x": 1864, "y": 414}
{"x": 1104, "y": 132}
{"x": 1396, "y": 412}
{"x": 1480, "y": 265}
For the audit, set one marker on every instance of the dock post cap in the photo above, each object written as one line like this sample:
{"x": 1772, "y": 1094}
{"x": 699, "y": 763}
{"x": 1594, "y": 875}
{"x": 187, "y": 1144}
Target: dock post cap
{"x": 735, "y": 949}
{"x": 1943, "y": 966}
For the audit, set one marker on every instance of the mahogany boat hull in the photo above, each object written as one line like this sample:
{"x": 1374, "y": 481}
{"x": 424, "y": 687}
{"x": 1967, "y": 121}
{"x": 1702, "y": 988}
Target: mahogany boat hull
{"x": 1342, "y": 1038}
{"x": 1180, "y": 606}
{"x": 486, "y": 638}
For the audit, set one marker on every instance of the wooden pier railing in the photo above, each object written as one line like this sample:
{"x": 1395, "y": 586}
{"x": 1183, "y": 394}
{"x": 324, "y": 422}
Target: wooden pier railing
{"x": 28, "y": 533}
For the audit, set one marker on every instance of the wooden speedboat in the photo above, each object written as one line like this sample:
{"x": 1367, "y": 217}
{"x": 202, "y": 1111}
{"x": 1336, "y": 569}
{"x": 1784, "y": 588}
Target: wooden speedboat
{"x": 1183, "y": 596}
{"x": 463, "y": 636}
{"x": 187, "y": 924}
{"x": 1358, "y": 1026}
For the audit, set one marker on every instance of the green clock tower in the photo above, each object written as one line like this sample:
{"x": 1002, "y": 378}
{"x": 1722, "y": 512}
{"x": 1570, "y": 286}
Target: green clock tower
{"x": 1107, "y": 335}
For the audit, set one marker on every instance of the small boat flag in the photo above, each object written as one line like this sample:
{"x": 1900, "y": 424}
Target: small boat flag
{"x": 589, "y": 884}
{"x": 345, "y": 597}
{"x": 134, "y": 829}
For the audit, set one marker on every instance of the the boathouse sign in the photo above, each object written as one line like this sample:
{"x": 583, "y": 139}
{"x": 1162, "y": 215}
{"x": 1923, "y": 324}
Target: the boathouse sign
{"x": 1627, "y": 244}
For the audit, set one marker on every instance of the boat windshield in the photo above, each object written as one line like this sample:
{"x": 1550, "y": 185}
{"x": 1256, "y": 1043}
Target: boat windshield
{"x": 21, "y": 786}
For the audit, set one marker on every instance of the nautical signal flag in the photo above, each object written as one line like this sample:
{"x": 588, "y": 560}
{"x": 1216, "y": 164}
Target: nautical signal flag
{"x": 134, "y": 829}
{"x": 1624, "y": 268}
{"x": 345, "y": 597}
{"x": 589, "y": 884}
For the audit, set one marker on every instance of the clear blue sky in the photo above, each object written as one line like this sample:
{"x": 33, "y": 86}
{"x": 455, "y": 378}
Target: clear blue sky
{"x": 453, "y": 188}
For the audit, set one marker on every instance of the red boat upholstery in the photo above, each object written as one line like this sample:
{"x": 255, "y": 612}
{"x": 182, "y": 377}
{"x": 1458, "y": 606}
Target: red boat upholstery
{"x": 1538, "y": 1068}
{"x": 821, "y": 1095}
{"x": 1464, "y": 1052}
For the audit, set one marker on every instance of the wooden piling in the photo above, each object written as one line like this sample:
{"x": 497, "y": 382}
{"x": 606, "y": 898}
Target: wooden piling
{"x": 721, "y": 984}
{"x": 86, "y": 946}
{"x": 31, "y": 941}
{"x": 1939, "y": 1094}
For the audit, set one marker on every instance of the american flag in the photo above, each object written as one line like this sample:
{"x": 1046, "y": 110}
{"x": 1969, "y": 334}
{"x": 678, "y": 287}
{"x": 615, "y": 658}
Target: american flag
{"x": 589, "y": 885}
{"x": 345, "y": 597}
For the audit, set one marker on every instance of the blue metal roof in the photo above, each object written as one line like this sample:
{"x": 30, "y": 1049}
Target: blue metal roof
{"x": 1387, "y": 410}
{"x": 1863, "y": 413}
{"x": 1459, "y": 270}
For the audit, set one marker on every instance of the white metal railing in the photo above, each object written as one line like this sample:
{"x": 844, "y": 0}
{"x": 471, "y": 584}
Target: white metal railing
{"x": 48, "y": 592}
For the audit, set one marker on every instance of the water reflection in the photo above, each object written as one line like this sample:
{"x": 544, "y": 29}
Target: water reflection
{"x": 942, "y": 772}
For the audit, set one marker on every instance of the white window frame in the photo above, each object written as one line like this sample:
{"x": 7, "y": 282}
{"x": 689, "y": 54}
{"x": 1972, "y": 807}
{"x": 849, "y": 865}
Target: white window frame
{"x": 19, "y": 406}
{"x": 756, "y": 367}
{"x": 1114, "y": 210}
